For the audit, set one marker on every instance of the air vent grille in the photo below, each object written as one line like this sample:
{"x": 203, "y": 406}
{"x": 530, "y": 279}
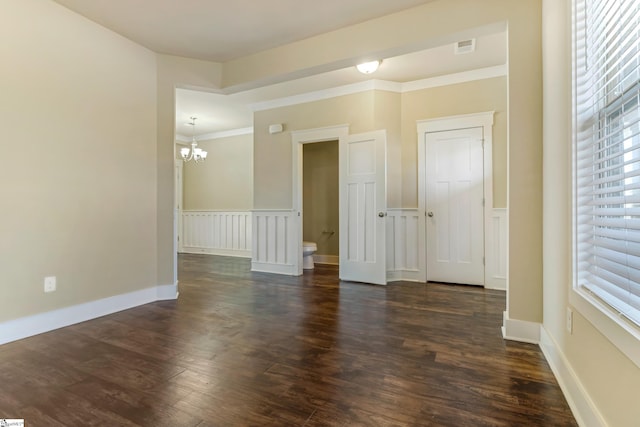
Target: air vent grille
{"x": 465, "y": 46}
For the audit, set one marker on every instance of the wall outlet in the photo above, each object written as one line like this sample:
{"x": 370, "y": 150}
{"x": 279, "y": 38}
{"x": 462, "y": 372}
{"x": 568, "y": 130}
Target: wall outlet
{"x": 50, "y": 284}
{"x": 569, "y": 320}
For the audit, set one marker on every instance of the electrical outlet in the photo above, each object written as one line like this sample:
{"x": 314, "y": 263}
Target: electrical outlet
{"x": 50, "y": 284}
{"x": 569, "y": 320}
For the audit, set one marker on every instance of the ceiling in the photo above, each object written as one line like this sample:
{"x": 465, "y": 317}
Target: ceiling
{"x": 221, "y": 30}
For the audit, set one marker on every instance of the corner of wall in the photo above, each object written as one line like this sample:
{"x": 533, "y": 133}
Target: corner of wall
{"x": 582, "y": 407}
{"x": 520, "y": 330}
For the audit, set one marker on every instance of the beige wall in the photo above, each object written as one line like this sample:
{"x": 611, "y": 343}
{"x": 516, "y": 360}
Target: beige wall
{"x": 387, "y": 111}
{"x": 273, "y": 175}
{"x": 320, "y": 196}
{"x": 225, "y": 180}
{"x": 78, "y": 181}
{"x": 524, "y": 161}
{"x": 395, "y": 112}
{"x": 610, "y": 378}
{"x": 465, "y": 98}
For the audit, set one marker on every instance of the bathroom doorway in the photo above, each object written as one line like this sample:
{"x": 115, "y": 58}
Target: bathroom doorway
{"x": 300, "y": 138}
{"x": 320, "y": 200}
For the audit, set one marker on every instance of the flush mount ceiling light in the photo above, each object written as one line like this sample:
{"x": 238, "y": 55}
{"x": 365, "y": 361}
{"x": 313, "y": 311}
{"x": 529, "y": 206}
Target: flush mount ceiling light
{"x": 194, "y": 153}
{"x": 368, "y": 67}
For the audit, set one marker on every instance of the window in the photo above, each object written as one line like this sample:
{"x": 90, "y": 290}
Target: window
{"x": 606, "y": 51}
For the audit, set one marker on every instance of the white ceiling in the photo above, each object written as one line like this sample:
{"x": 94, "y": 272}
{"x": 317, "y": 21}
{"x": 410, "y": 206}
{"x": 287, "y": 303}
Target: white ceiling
{"x": 220, "y": 30}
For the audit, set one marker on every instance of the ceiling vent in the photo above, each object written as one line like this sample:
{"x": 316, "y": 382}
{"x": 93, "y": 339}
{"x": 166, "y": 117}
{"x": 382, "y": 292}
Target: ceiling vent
{"x": 465, "y": 46}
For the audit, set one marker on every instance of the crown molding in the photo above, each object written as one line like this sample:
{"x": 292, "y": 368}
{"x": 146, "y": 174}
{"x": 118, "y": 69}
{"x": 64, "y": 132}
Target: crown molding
{"x": 373, "y": 84}
{"x": 184, "y": 140}
{"x": 456, "y": 78}
{"x": 389, "y": 86}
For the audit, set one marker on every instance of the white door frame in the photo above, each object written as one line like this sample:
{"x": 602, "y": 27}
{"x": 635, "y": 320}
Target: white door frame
{"x": 179, "y": 188}
{"x": 484, "y": 120}
{"x": 298, "y": 138}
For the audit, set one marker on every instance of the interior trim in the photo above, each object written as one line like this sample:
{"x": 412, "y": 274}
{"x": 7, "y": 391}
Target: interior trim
{"x": 584, "y": 410}
{"x": 24, "y": 327}
{"x": 389, "y": 86}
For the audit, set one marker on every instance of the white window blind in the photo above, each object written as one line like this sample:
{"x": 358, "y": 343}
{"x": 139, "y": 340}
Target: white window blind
{"x": 607, "y": 152}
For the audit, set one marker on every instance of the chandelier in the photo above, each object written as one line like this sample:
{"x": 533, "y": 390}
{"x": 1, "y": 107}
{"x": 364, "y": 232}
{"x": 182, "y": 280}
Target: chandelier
{"x": 194, "y": 153}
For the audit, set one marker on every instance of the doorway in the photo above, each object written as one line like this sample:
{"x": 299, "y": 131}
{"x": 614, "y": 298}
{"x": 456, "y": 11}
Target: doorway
{"x": 454, "y": 202}
{"x": 455, "y": 196}
{"x": 298, "y": 140}
{"x": 320, "y": 212}
{"x": 362, "y": 206}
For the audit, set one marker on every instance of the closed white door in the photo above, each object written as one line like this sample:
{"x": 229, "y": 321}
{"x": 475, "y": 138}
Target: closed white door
{"x": 455, "y": 206}
{"x": 363, "y": 207}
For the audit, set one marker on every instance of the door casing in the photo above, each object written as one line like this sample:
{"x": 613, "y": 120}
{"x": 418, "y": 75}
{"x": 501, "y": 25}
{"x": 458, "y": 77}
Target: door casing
{"x": 298, "y": 138}
{"x": 484, "y": 120}
{"x": 455, "y": 230}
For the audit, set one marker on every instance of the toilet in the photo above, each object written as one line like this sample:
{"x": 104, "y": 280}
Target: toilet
{"x": 308, "y": 249}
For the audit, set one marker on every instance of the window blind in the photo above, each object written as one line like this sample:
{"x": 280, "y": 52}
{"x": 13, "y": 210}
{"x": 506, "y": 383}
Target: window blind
{"x": 607, "y": 152}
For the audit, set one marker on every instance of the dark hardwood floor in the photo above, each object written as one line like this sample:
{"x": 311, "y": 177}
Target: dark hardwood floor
{"x": 250, "y": 349}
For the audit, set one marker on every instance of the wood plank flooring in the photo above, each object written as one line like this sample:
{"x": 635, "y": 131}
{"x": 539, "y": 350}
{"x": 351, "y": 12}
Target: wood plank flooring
{"x": 252, "y": 349}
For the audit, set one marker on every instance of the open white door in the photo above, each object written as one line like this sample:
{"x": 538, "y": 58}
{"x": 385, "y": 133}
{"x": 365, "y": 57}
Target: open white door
{"x": 363, "y": 207}
{"x": 455, "y": 206}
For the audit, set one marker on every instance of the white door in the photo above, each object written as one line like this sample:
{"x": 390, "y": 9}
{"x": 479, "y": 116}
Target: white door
{"x": 363, "y": 207}
{"x": 455, "y": 206}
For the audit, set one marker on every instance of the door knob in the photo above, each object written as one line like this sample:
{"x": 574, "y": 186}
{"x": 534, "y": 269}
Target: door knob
{"x": 430, "y": 214}
{"x": 381, "y": 214}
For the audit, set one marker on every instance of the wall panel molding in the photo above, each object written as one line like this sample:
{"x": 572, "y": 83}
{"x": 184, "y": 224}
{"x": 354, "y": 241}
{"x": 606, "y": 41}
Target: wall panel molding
{"x": 496, "y": 250}
{"x": 405, "y": 247}
{"x": 274, "y": 246}
{"x": 217, "y": 233}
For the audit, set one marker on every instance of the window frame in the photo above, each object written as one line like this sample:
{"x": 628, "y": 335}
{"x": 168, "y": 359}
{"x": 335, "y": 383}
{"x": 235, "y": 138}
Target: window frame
{"x": 623, "y": 333}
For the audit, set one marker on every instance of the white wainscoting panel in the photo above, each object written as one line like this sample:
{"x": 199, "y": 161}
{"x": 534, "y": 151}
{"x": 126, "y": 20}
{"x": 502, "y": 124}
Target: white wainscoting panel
{"x": 274, "y": 248}
{"x": 496, "y": 250}
{"x": 405, "y": 248}
{"x": 217, "y": 233}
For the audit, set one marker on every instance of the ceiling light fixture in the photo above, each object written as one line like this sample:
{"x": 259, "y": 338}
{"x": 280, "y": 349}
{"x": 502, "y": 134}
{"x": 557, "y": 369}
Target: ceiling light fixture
{"x": 196, "y": 154}
{"x": 368, "y": 67}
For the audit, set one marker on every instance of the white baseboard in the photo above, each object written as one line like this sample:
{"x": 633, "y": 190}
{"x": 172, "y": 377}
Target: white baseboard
{"x": 583, "y": 408}
{"x": 266, "y": 267}
{"x": 405, "y": 276}
{"x": 167, "y": 292}
{"x": 24, "y": 327}
{"x": 213, "y": 251}
{"x": 520, "y": 330}
{"x": 326, "y": 259}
